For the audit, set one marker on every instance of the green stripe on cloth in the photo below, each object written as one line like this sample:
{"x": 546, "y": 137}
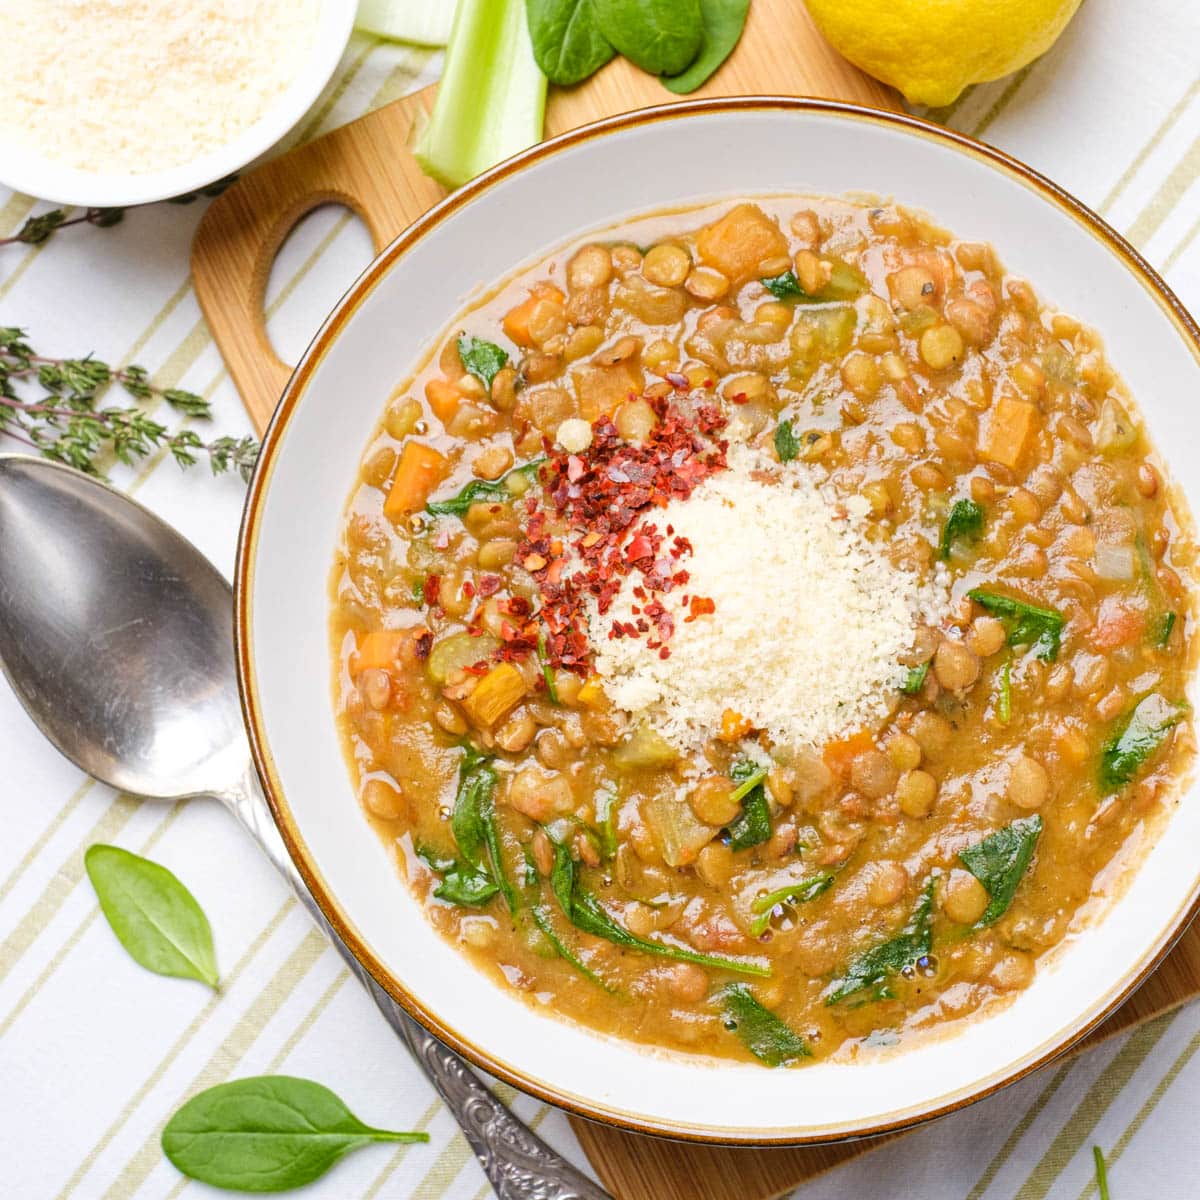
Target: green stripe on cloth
{"x": 1019, "y": 1130}
{"x": 1086, "y": 1117}
{"x": 226, "y": 1057}
{"x": 228, "y": 981}
{"x": 1163, "y": 202}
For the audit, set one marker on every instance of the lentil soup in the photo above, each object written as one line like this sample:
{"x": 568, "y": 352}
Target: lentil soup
{"x": 763, "y": 628}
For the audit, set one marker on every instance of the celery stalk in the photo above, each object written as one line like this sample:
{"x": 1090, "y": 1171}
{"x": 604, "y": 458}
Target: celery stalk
{"x": 422, "y": 22}
{"x": 492, "y": 98}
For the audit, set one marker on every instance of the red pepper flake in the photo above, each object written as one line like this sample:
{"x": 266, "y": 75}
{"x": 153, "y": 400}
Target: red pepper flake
{"x": 700, "y": 606}
{"x": 602, "y": 503}
{"x": 430, "y": 589}
{"x": 468, "y": 589}
{"x": 423, "y": 644}
{"x": 489, "y": 585}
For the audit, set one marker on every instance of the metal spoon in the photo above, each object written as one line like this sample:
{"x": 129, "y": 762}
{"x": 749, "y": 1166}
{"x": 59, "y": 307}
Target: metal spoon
{"x": 116, "y": 635}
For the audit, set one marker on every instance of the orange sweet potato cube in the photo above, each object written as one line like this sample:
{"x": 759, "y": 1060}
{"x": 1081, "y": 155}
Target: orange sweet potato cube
{"x": 742, "y": 239}
{"x": 1008, "y": 432}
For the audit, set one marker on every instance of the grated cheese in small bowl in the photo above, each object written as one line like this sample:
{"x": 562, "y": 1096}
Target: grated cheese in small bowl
{"x": 111, "y": 102}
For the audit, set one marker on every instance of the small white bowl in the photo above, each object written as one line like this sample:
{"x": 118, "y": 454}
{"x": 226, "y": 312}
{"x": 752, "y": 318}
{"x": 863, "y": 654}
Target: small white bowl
{"x": 513, "y": 215}
{"x": 27, "y": 171}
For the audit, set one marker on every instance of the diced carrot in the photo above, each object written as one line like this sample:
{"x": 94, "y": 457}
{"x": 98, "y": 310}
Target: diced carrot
{"x": 420, "y": 470}
{"x": 839, "y": 755}
{"x": 443, "y": 397}
{"x": 734, "y": 726}
{"x": 516, "y": 320}
{"x": 1117, "y": 625}
{"x": 742, "y": 239}
{"x": 380, "y": 650}
{"x": 497, "y": 692}
{"x": 1008, "y": 431}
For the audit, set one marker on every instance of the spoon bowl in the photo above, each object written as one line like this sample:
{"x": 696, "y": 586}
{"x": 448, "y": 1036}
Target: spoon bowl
{"x": 115, "y": 634}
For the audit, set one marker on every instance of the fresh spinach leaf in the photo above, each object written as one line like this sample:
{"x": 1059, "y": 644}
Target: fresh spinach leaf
{"x": 585, "y": 912}
{"x": 753, "y": 825}
{"x": 914, "y": 681}
{"x": 483, "y": 359}
{"x": 1025, "y": 624}
{"x": 1004, "y": 700}
{"x": 800, "y": 892}
{"x": 482, "y": 489}
{"x": 266, "y": 1134}
{"x": 154, "y": 916}
{"x": 1137, "y": 737}
{"x": 1000, "y": 861}
{"x": 723, "y": 22}
{"x": 964, "y": 523}
{"x": 872, "y": 968}
{"x": 661, "y": 36}
{"x": 541, "y": 918}
{"x": 759, "y": 1029}
{"x": 567, "y": 42}
{"x": 787, "y": 444}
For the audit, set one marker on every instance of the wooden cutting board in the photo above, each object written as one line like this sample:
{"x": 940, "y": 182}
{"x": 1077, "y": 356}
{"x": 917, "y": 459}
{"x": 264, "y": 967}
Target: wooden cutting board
{"x": 367, "y": 167}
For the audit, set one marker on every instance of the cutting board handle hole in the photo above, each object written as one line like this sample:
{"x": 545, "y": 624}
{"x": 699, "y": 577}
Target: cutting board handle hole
{"x": 305, "y": 282}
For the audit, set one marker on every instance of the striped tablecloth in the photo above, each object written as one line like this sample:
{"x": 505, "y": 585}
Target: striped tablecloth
{"x": 95, "y": 1053}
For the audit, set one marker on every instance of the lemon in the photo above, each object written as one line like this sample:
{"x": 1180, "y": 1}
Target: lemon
{"x": 931, "y": 49}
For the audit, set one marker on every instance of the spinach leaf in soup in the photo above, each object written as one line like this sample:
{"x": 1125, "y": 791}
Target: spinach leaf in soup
{"x": 266, "y": 1134}
{"x": 585, "y": 912}
{"x": 483, "y": 489}
{"x": 468, "y": 822}
{"x": 567, "y": 42}
{"x": 154, "y": 916}
{"x": 800, "y": 892}
{"x": 753, "y": 825}
{"x": 723, "y": 22}
{"x": 914, "y": 681}
{"x": 484, "y": 360}
{"x": 965, "y": 523}
{"x": 872, "y": 968}
{"x": 661, "y": 36}
{"x": 541, "y": 918}
{"x": 1024, "y": 624}
{"x": 461, "y": 883}
{"x": 787, "y": 444}
{"x": 1000, "y": 861}
{"x": 1163, "y": 630}
{"x": 1136, "y": 739}
{"x": 759, "y": 1029}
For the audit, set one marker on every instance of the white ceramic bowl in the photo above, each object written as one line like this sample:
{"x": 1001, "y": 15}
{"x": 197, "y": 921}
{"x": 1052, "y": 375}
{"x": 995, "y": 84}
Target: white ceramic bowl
{"x": 513, "y": 216}
{"x": 25, "y": 170}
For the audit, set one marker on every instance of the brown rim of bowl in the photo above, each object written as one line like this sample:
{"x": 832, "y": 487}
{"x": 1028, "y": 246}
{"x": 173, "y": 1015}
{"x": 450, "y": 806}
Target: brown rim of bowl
{"x": 247, "y": 540}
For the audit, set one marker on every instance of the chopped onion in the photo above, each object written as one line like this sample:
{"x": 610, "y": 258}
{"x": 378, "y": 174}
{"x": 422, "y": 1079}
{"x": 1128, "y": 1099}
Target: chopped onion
{"x": 1114, "y": 562}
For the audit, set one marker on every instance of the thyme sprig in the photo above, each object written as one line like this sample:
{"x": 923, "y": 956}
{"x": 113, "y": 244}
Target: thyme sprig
{"x": 39, "y": 228}
{"x": 53, "y": 406}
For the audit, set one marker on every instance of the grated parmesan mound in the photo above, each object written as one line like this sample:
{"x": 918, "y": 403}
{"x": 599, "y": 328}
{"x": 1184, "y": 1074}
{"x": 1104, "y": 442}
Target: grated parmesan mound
{"x": 142, "y": 85}
{"x": 810, "y": 618}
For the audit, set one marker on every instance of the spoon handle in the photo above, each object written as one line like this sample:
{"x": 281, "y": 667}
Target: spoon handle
{"x": 519, "y": 1165}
